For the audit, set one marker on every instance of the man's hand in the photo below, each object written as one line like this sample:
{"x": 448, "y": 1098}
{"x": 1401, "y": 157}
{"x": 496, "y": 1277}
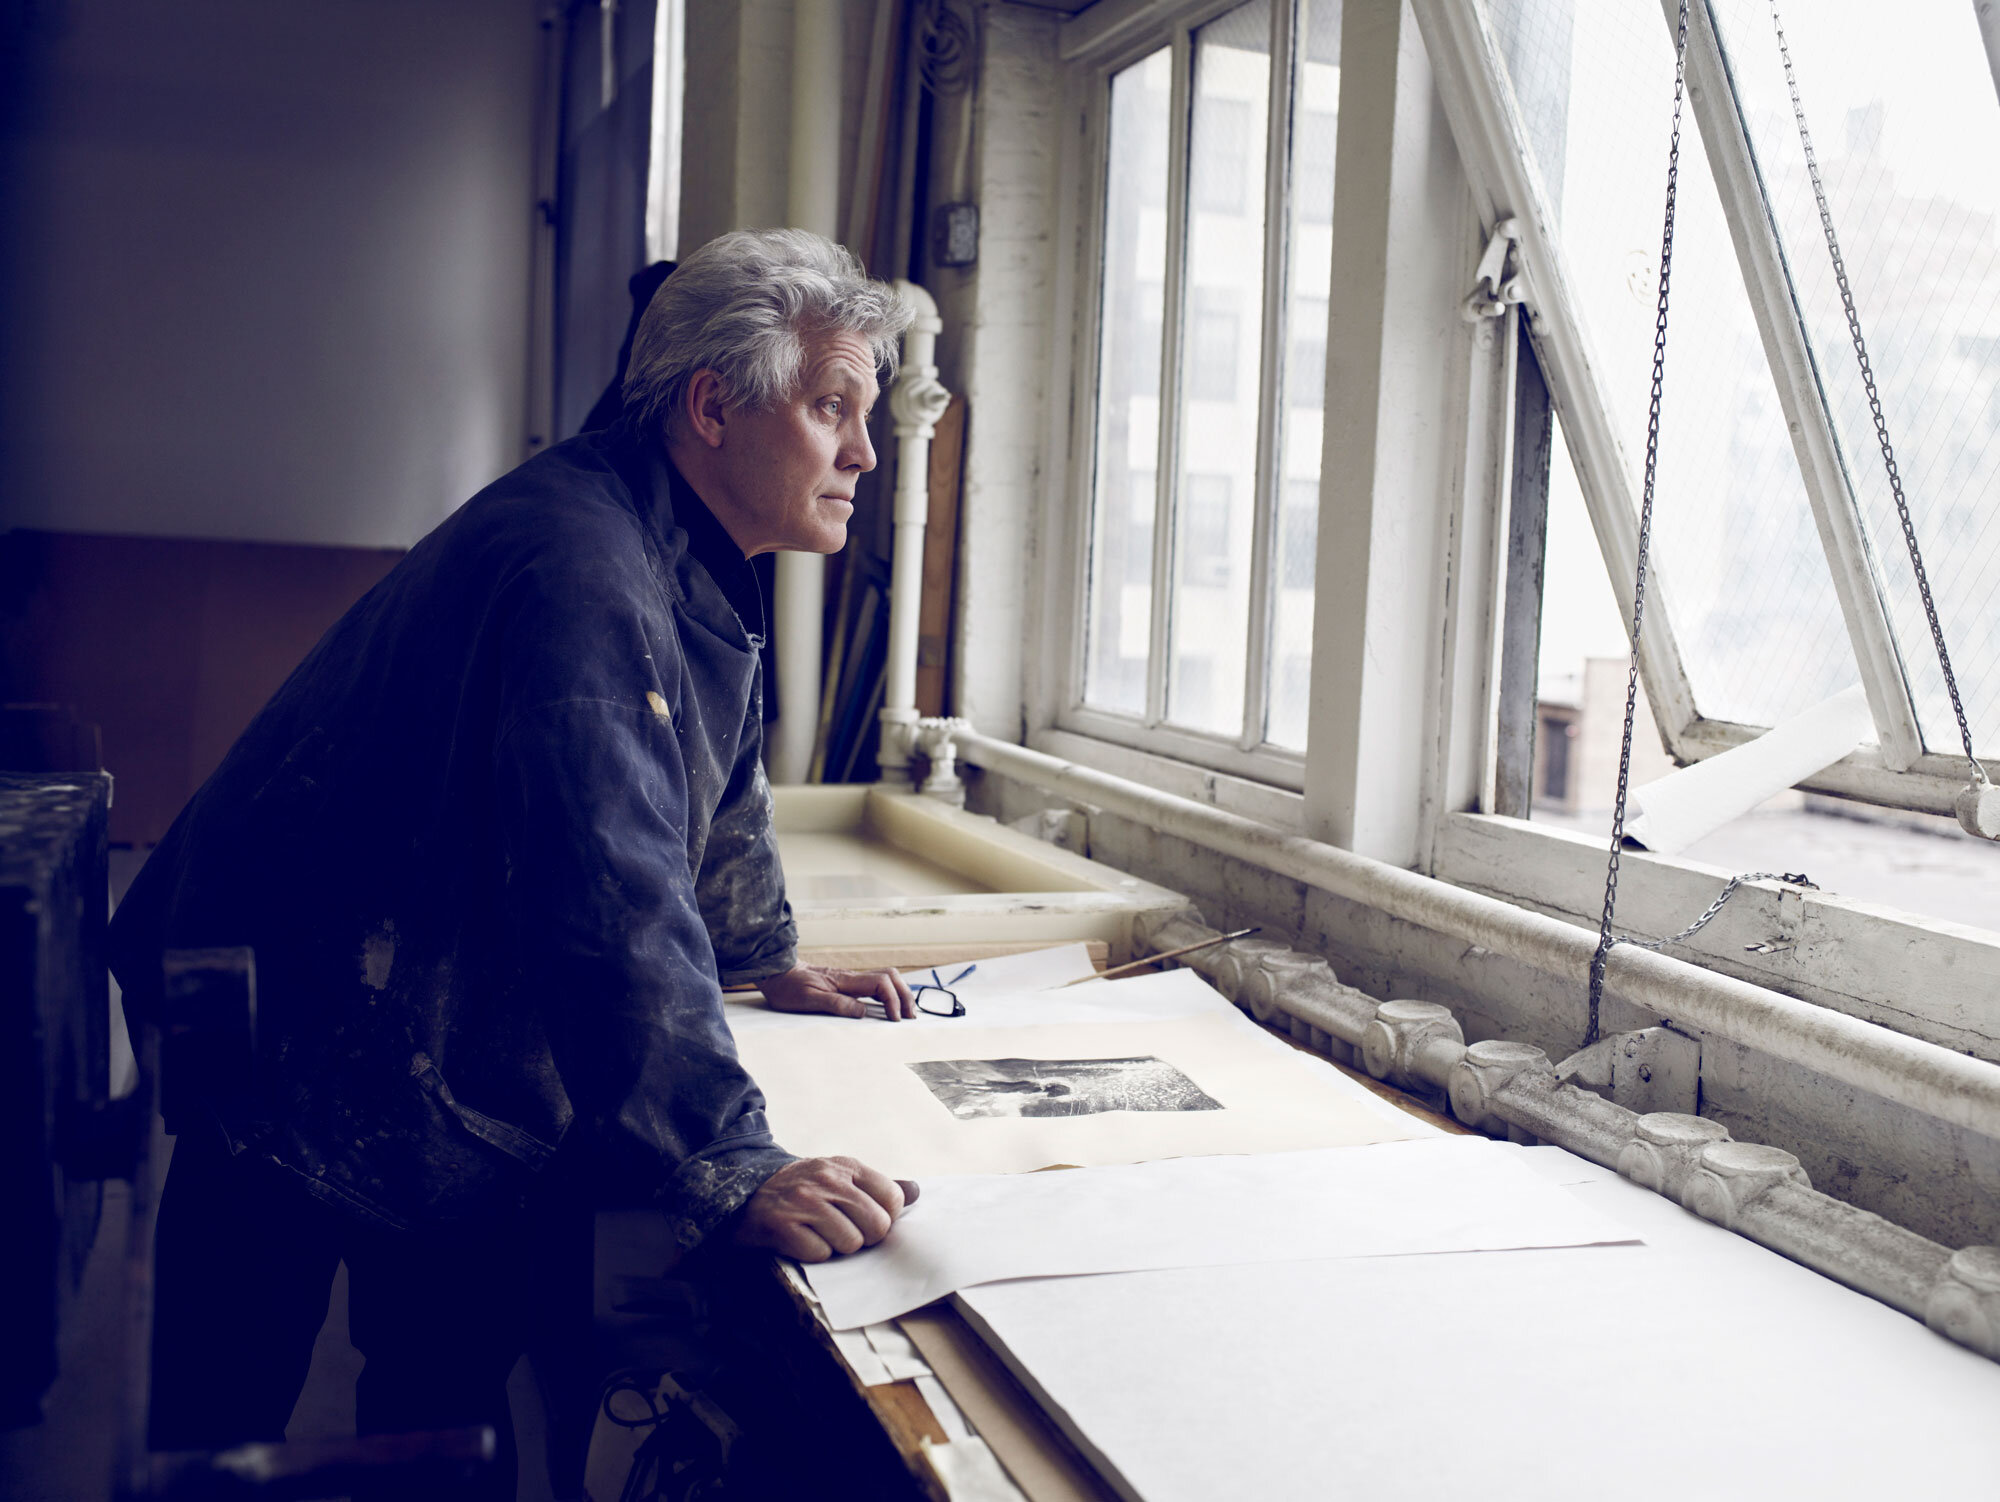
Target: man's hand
{"x": 814, "y": 1207}
{"x": 840, "y": 993}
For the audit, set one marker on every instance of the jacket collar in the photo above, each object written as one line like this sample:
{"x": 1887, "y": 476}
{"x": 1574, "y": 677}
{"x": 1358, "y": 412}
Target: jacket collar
{"x": 685, "y": 525}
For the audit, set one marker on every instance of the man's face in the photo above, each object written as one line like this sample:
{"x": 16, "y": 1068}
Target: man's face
{"x": 788, "y": 475}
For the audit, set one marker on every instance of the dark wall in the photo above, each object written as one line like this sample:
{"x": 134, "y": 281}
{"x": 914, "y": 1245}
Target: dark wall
{"x": 169, "y": 644}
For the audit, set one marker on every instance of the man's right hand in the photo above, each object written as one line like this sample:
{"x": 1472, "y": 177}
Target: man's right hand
{"x": 815, "y": 1207}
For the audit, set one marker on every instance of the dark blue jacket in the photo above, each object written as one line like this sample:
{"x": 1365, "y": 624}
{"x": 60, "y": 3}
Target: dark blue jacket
{"x": 497, "y": 843}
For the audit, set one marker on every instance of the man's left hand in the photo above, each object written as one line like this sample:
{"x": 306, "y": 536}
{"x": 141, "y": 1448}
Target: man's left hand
{"x": 840, "y": 993}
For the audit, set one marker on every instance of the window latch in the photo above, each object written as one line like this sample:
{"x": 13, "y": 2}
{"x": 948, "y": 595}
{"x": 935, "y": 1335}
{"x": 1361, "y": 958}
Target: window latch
{"x": 1500, "y": 282}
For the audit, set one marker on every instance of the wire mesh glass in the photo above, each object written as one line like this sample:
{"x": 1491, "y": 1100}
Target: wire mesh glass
{"x": 1309, "y": 273}
{"x": 1215, "y": 492}
{"x": 1741, "y": 573}
{"x": 1119, "y": 599}
{"x": 1905, "y": 124}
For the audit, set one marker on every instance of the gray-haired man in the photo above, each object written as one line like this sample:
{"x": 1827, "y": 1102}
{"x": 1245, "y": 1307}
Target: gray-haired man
{"x": 498, "y": 843}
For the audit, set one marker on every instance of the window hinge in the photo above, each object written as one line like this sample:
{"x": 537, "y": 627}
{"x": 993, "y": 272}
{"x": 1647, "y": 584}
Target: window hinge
{"x": 1500, "y": 281}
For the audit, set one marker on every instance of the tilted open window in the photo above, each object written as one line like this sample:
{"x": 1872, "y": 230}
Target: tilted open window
{"x": 1780, "y": 570}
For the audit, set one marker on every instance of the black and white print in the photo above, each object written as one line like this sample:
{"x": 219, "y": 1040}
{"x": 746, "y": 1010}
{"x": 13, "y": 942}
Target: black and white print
{"x": 974, "y": 1088}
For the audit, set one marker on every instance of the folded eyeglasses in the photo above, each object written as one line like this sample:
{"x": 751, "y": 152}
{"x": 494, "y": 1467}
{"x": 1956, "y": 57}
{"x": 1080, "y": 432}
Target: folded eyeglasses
{"x": 956, "y": 1008}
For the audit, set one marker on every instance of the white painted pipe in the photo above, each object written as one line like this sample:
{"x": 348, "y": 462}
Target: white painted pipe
{"x": 812, "y": 198}
{"x": 917, "y": 402}
{"x": 811, "y": 202}
{"x": 1949, "y": 1086}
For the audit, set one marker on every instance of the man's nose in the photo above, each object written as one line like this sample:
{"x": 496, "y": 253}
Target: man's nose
{"x": 858, "y": 452}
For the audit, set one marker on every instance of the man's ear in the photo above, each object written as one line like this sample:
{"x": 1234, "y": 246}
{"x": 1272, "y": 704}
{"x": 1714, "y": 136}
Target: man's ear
{"x": 706, "y": 411}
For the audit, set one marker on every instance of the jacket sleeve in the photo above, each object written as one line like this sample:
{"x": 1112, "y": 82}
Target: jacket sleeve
{"x": 602, "y": 911}
{"x": 741, "y": 887}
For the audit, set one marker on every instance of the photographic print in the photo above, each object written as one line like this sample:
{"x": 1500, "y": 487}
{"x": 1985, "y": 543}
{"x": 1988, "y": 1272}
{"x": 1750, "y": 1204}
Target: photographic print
{"x": 974, "y": 1088}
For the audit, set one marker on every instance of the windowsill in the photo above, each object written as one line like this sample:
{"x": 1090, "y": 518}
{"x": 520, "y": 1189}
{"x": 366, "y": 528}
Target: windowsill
{"x": 1282, "y": 808}
{"x": 1925, "y": 978}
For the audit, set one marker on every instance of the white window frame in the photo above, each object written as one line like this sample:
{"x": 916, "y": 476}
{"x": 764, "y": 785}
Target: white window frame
{"x": 1898, "y": 771}
{"x": 1095, "y": 46}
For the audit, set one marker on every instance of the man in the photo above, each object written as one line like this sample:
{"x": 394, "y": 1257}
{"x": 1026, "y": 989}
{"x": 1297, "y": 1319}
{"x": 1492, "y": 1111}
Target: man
{"x": 497, "y": 843}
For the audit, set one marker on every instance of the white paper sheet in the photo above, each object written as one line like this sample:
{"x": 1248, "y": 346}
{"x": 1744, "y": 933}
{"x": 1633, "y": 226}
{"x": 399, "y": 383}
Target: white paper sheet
{"x": 869, "y": 1369}
{"x": 1696, "y": 1365}
{"x": 1560, "y": 1166}
{"x": 1156, "y": 1067}
{"x": 916, "y": 1105}
{"x": 1444, "y": 1194}
{"x": 1678, "y": 809}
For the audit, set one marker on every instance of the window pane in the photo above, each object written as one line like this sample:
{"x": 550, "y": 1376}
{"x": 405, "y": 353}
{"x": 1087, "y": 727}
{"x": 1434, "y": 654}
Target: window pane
{"x": 1585, "y": 656}
{"x": 1216, "y": 497}
{"x": 1309, "y": 271}
{"x": 1916, "y": 862}
{"x": 1118, "y": 606}
{"x": 1904, "y": 120}
{"x": 1745, "y": 580}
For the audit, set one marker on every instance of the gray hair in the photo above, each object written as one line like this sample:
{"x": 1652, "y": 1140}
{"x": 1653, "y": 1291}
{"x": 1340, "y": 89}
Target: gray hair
{"x": 743, "y": 306}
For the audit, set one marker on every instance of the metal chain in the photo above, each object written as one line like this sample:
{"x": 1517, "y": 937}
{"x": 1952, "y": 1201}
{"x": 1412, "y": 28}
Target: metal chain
{"x": 1874, "y": 396}
{"x": 1790, "y": 878}
{"x": 1605, "y": 938}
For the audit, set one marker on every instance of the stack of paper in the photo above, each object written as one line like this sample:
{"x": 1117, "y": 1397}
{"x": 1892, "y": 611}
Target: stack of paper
{"x": 1698, "y": 1364}
{"x": 1446, "y": 1194}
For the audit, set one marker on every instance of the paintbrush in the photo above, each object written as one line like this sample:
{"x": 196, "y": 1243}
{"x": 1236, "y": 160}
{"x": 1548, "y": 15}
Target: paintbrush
{"x": 1171, "y": 954}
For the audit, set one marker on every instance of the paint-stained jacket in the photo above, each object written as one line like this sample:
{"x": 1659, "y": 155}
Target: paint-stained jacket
{"x": 497, "y": 842}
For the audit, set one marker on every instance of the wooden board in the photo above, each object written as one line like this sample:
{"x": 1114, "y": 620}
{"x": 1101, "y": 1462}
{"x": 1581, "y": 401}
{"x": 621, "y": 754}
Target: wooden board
{"x": 940, "y": 560}
{"x": 1024, "y": 1439}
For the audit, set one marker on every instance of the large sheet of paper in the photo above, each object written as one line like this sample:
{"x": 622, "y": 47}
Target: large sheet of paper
{"x": 1444, "y": 1194}
{"x": 1122, "y": 1072}
{"x": 1696, "y": 1365}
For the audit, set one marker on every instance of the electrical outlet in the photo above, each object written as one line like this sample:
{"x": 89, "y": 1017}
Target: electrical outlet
{"x": 955, "y": 234}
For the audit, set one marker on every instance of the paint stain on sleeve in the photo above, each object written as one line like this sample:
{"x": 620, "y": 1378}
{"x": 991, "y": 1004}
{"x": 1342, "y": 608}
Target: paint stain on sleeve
{"x": 378, "y": 956}
{"x": 658, "y": 705}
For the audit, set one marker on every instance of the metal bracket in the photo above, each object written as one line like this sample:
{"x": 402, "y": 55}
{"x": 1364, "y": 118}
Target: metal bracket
{"x": 1652, "y": 1069}
{"x": 1791, "y": 922}
{"x": 1500, "y": 282}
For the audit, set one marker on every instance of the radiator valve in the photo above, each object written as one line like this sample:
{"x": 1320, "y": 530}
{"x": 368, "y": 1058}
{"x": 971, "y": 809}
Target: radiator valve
{"x": 1965, "y": 1302}
{"x": 1483, "y": 1072}
{"x": 1731, "y": 1176}
{"x": 1412, "y": 1043}
{"x": 1666, "y": 1149}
